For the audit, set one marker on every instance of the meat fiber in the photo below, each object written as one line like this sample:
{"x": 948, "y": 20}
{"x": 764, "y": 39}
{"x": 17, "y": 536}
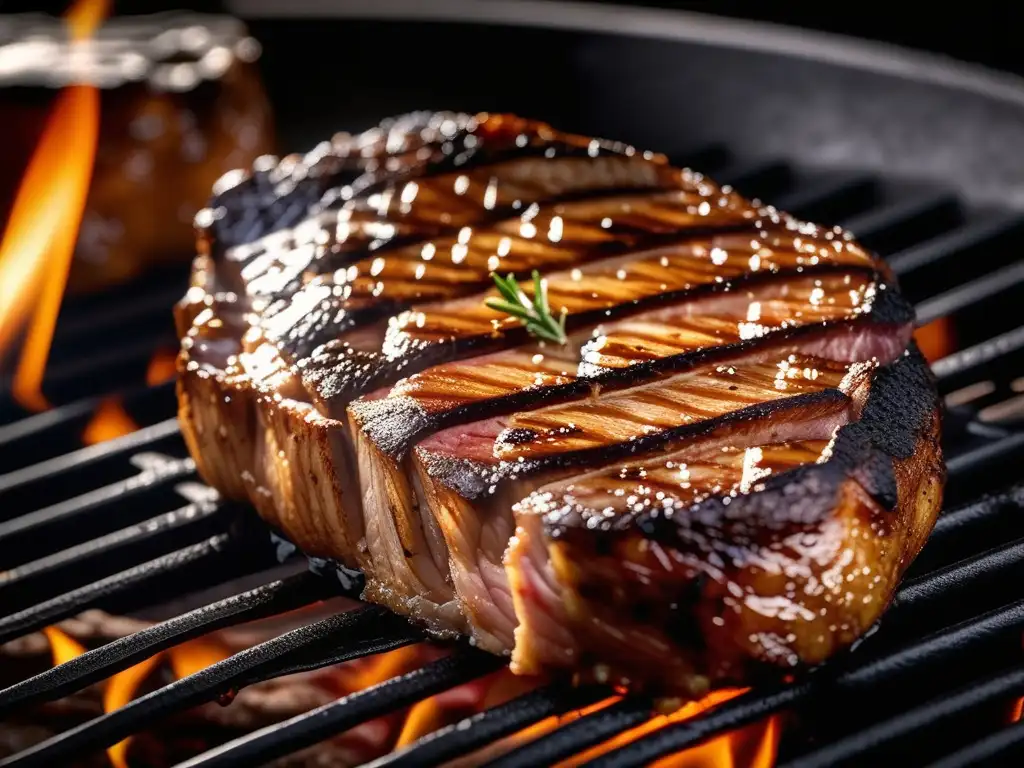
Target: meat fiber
{"x": 725, "y": 470}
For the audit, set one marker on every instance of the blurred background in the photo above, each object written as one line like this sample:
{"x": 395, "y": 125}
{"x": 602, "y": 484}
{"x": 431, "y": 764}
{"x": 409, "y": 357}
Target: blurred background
{"x": 980, "y": 33}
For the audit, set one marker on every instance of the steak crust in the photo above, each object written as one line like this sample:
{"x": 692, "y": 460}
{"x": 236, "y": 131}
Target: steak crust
{"x": 340, "y": 371}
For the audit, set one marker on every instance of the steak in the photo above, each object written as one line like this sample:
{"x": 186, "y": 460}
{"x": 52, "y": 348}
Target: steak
{"x": 723, "y": 471}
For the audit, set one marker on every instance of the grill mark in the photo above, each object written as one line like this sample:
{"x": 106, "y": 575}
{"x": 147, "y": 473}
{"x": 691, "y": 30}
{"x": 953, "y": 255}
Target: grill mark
{"x": 377, "y": 285}
{"x": 674, "y": 481}
{"x": 655, "y": 276}
{"x": 345, "y": 232}
{"x": 689, "y": 398}
{"x": 419, "y": 338}
{"x": 409, "y": 146}
{"x": 473, "y": 479}
{"x": 448, "y": 394}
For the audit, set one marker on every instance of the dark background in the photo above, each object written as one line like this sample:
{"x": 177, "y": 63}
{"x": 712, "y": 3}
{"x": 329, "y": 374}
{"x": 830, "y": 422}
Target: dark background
{"x": 984, "y": 32}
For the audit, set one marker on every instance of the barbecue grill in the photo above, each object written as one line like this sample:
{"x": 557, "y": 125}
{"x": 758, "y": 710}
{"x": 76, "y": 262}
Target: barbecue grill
{"x": 922, "y": 159}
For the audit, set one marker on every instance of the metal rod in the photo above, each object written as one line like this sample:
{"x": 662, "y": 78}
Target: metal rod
{"x": 275, "y": 741}
{"x": 854, "y": 749}
{"x": 269, "y": 599}
{"x": 113, "y": 548}
{"x": 998, "y": 749}
{"x": 77, "y": 600}
{"x": 974, "y": 461}
{"x": 970, "y": 294}
{"x": 131, "y": 443}
{"x": 484, "y": 728}
{"x": 728, "y": 716}
{"x": 951, "y": 582}
{"x": 579, "y": 735}
{"x": 957, "y": 241}
{"x": 888, "y": 670}
{"x": 880, "y": 220}
{"x": 66, "y": 512}
{"x": 850, "y": 187}
{"x": 264, "y": 661}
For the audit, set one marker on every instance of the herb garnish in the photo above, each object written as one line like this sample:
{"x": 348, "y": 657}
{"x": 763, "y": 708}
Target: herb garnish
{"x": 536, "y": 314}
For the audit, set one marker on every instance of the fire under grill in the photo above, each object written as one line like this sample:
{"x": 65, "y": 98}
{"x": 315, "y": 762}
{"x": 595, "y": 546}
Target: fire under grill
{"x": 124, "y": 525}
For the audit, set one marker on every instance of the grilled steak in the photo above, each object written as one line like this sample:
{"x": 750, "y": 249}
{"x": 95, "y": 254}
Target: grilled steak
{"x": 724, "y": 469}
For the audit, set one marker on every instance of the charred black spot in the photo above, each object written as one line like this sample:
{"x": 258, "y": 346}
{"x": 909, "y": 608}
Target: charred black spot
{"x": 591, "y": 591}
{"x": 643, "y": 613}
{"x": 518, "y": 436}
{"x": 602, "y": 545}
{"x": 681, "y": 622}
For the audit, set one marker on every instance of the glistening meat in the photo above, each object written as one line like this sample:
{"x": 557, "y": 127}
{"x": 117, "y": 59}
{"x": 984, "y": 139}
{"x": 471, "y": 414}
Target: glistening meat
{"x": 724, "y": 469}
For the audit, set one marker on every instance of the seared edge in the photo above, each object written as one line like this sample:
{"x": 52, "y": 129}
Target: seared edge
{"x": 716, "y": 593}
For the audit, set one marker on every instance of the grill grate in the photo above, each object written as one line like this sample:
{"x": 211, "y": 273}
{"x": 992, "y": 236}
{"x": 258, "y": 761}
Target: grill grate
{"x": 124, "y": 525}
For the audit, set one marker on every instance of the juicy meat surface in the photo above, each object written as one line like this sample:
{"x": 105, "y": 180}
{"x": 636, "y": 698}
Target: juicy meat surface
{"x": 725, "y": 470}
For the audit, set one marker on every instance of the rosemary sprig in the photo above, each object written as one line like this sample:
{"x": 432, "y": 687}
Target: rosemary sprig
{"x": 536, "y": 314}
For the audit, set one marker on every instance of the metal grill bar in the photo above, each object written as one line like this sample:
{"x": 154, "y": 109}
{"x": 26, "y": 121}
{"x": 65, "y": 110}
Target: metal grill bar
{"x": 107, "y": 502}
{"x": 207, "y": 553}
{"x": 1000, "y": 354}
{"x": 90, "y": 374}
{"x": 303, "y": 730}
{"x": 998, "y": 749}
{"x": 853, "y": 749}
{"x": 970, "y": 294}
{"x": 357, "y": 632}
{"x": 162, "y": 532}
{"x": 267, "y": 600}
{"x": 58, "y": 431}
{"x": 899, "y": 224}
{"x": 22, "y": 486}
{"x": 149, "y": 307}
{"x": 816, "y": 201}
{"x": 957, "y": 524}
{"x": 728, "y": 716}
{"x": 486, "y": 727}
{"x": 969, "y": 577}
{"x": 970, "y": 462}
{"x": 579, "y": 735}
{"x": 961, "y": 242}
{"x": 757, "y": 178}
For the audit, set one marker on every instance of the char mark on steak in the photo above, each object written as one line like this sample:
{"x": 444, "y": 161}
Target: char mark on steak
{"x": 725, "y": 469}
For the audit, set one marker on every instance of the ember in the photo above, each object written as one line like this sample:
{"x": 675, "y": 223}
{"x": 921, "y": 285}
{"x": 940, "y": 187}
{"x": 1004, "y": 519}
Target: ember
{"x": 936, "y": 339}
{"x": 161, "y": 367}
{"x": 110, "y": 421}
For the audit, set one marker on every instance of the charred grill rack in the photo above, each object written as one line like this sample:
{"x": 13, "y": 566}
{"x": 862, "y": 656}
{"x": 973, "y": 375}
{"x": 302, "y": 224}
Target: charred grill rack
{"x": 125, "y": 525}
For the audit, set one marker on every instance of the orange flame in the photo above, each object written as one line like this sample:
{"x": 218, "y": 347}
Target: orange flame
{"x": 39, "y": 242}
{"x": 424, "y": 717}
{"x": 1018, "y": 711}
{"x": 119, "y": 691}
{"x": 377, "y": 669}
{"x": 185, "y": 659}
{"x": 85, "y": 17}
{"x": 62, "y": 647}
{"x": 195, "y": 656}
{"x": 936, "y": 339}
{"x": 110, "y": 421}
{"x": 161, "y": 367}
{"x": 755, "y": 745}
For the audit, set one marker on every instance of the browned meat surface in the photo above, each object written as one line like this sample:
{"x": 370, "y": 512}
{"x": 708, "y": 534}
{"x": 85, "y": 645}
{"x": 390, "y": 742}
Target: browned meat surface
{"x": 725, "y": 469}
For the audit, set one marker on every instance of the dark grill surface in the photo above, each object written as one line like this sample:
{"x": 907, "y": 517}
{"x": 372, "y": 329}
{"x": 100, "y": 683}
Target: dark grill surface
{"x": 126, "y": 524}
